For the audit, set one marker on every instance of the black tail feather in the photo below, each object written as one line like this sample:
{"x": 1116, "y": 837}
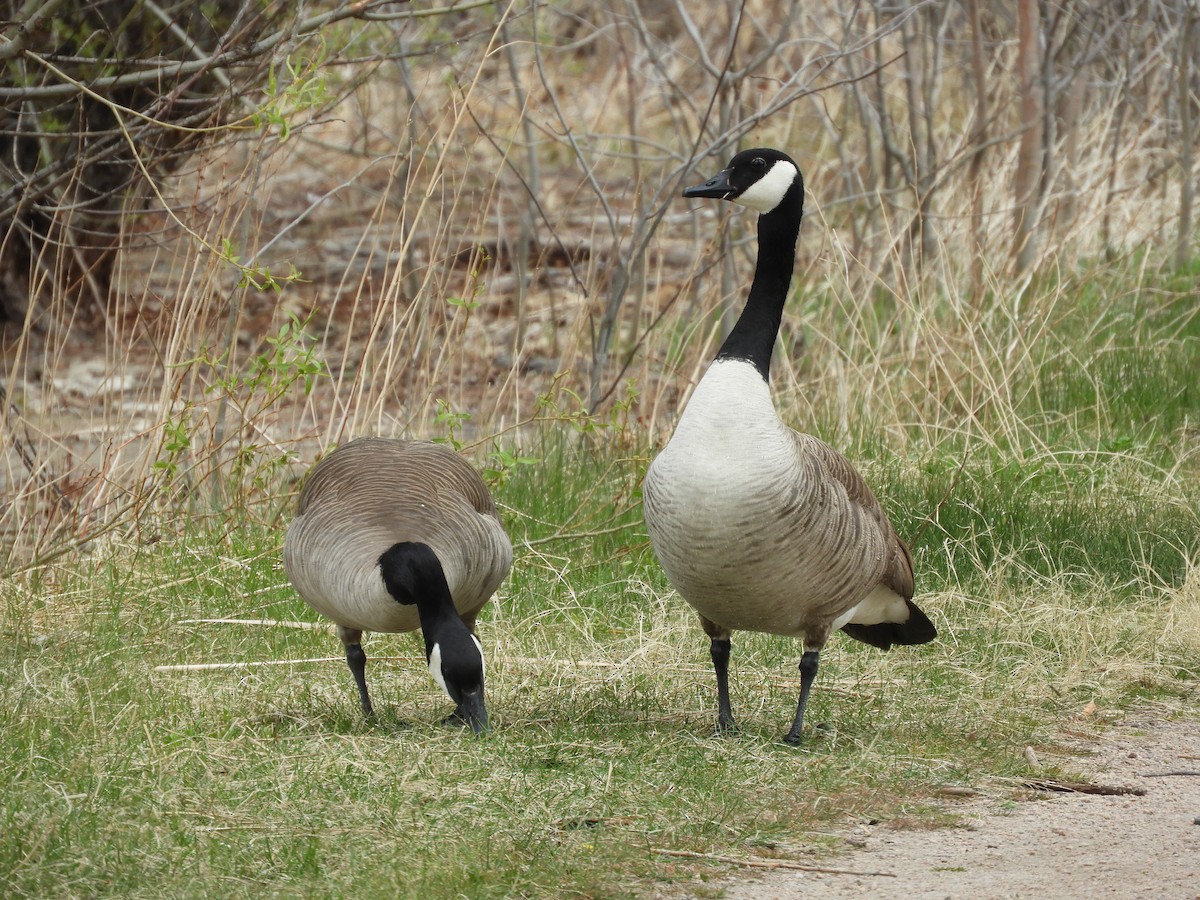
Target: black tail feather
{"x": 917, "y": 630}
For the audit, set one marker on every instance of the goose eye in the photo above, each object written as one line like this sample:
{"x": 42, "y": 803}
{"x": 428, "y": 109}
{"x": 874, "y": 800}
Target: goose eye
{"x": 758, "y": 163}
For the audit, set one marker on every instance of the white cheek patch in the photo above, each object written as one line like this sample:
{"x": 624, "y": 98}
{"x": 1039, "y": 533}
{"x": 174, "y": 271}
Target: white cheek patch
{"x": 482, "y": 659}
{"x": 435, "y": 668}
{"x": 435, "y": 664}
{"x": 766, "y": 193}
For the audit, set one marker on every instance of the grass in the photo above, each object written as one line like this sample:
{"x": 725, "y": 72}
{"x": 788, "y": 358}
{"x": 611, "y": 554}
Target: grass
{"x": 129, "y": 780}
{"x": 1036, "y": 434}
{"x": 1056, "y": 545}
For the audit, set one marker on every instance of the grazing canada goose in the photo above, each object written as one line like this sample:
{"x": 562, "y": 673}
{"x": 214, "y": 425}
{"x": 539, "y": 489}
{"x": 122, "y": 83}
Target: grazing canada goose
{"x": 392, "y": 535}
{"x": 760, "y": 527}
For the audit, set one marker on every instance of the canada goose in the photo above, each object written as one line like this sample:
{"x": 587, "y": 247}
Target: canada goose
{"x": 392, "y": 535}
{"x": 760, "y": 527}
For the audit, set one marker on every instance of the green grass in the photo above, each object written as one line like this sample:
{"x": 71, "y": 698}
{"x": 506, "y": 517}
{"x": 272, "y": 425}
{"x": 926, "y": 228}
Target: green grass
{"x": 1117, "y": 372}
{"x": 131, "y": 781}
{"x": 1064, "y": 581}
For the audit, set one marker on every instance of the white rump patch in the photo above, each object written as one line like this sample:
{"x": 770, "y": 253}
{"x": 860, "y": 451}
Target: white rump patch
{"x": 879, "y": 606}
{"x": 766, "y": 193}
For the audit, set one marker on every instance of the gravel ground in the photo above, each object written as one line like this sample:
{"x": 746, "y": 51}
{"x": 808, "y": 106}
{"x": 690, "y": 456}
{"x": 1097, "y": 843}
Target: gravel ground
{"x": 1046, "y": 845}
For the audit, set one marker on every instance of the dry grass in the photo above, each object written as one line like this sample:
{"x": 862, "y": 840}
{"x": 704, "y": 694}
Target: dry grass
{"x": 135, "y": 762}
{"x": 474, "y": 235}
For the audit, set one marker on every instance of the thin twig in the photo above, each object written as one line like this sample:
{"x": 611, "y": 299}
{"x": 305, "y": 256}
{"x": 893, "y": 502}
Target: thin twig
{"x": 235, "y": 56}
{"x": 250, "y": 664}
{"x": 1081, "y": 787}
{"x": 530, "y": 193}
{"x": 942, "y": 502}
{"x": 574, "y": 535}
{"x": 26, "y": 20}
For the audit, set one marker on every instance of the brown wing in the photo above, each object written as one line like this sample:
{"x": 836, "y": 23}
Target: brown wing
{"x": 409, "y": 468}
{"x": 898, "y": 571}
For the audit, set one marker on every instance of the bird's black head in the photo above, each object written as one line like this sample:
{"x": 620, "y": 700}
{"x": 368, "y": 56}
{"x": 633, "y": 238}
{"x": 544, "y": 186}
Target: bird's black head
{"x": 759, "y": 178}
{"x": 412, "y": 573}
{"x": 411, "y": 570}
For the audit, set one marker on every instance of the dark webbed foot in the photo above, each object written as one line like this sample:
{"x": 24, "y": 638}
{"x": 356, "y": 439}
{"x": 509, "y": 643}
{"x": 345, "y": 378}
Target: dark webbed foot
{"x": 725, "y": 729}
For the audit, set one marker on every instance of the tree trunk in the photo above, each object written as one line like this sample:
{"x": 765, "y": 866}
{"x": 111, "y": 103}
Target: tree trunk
{"x": 979, "y": 135}
{"x": 1029, "y": 158}
{"x": 1183, "y": 242}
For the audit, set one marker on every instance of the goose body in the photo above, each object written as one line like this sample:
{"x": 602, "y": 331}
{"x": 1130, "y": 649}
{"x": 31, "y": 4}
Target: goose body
{"x": 760, "y": 527}
{"x": 394, "y": 535}
{"x": 727, "y": 535}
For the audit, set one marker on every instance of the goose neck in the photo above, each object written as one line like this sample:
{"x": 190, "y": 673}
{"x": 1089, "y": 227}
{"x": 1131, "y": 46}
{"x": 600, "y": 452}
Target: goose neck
{"x": 437, "y": 614}
{"x": 753, "y": 336}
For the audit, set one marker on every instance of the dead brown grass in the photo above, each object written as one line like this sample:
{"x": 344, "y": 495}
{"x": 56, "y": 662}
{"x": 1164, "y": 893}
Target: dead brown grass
{"x": 491, "y": 227}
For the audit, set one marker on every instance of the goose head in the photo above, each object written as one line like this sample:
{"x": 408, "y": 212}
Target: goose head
{"x": 413, "y": 574}
{"x": 759, "y": 179}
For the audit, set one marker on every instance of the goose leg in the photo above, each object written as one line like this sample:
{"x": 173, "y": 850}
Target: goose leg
{"x": 720, "y": 657}
{"x": 356, "y": 659}
{"x": 720, "y": 649}
{"x": 808, "y": 674}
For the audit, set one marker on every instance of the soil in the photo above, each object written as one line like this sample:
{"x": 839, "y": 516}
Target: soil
{"x": 1016, "y": 841}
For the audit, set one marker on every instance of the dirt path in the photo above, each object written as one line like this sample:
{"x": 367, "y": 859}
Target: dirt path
{"x": 1051, "y": 845}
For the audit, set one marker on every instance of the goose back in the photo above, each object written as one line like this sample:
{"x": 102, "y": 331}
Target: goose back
{"x": 371, "y": 493}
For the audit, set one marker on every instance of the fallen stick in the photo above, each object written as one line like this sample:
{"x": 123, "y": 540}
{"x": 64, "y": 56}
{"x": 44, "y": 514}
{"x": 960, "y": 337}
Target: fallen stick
{"x": 767, "y": 863}
{"x": 274, "y": 623}
{"x": 255, "y": 663}
{"x": 250, "y": 664}
{"x": 1081, "y": 787}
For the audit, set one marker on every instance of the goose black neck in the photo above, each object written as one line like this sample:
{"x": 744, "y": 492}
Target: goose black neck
{"x": 439, "y": 619}
{"x": 753, "y": 336}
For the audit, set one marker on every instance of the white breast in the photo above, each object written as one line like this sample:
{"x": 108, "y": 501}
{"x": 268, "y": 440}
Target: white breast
{"x": 711, "y": 495}
{"x": 729, "y": 440}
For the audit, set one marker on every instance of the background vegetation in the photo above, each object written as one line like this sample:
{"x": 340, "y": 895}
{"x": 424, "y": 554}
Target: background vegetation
{"x": 463, "y": 222}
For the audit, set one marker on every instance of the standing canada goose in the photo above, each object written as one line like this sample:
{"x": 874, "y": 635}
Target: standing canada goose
{"x": 392, "y": 535}
{"x": 760, "y": 527}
